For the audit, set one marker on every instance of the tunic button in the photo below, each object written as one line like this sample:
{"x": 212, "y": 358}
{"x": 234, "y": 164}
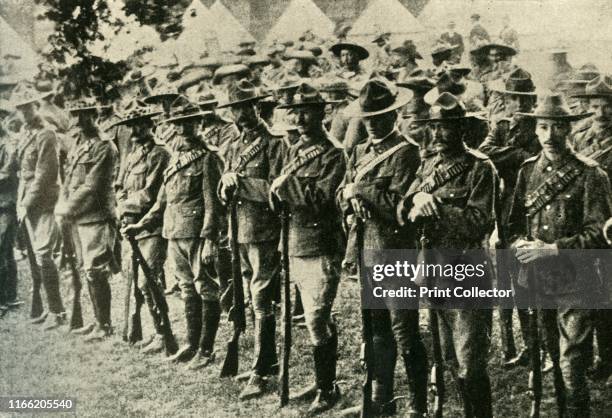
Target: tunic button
{"x": 315, "y": 224}
{"x": 545, "y": 227}
{"x": 240, "y": 202}
{"x": 549, "y": 168}
{"x": 547, "y": 207}
{"x": 452, "y": 195}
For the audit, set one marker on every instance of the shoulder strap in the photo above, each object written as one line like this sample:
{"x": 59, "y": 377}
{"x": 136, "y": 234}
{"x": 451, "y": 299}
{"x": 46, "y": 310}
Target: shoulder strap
{"x": 26, "y": 144}
{"x": 372, "y": 163}
{"x": 552, "y": 186}
{"x": 183, "y": 162}
{"x": 302, "y": 159}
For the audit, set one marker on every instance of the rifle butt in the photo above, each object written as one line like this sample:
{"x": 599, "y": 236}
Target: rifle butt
{"x": 230, "y": 364}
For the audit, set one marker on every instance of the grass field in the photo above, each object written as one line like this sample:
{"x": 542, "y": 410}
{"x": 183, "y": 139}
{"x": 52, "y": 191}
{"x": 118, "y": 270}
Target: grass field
{"x": 110, "y": 379}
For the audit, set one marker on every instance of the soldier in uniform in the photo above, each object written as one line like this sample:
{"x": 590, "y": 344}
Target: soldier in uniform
{"x": 187, "y": 204}
{"x": 453, "y": 206}
{"x": 87, "y": 207}
{"x": 254, "y": 160}
{"x": 405, "y": 56}
{"x": 455, "y": 39}
{"x": 594, "y": 141}
{"x": 312, "y": 171}
{"x": 511, "y": 141}
{"x": 566, "y": 199}
{"x": 37, "y": 195}
{"x": 349, "y": 56}
{"x": 138, "y": 188}
{"x": 8, "y": 216}
{"x": 378, "y": 174}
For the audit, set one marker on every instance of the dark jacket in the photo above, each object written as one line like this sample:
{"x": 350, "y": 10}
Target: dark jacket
{"x": 87, "y": 191}
{"x": 256, "y": 221}
{"x": 573, "y": 220}
{"x": 508, "y": 145}
{"x": 38, "y": 170}
{"x": 314, "y": 227}
{"x": 142, "y": 179}
{"x": 381, "y": 190}
{"x": 187, "y": 202}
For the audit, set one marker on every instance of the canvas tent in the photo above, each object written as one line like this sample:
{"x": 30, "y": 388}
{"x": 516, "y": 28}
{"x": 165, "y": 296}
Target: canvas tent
{"x": 23, "y": 64}
{"x": 228, "y": 29}
{"x": 199, "y": 33}
{"x": 387, "y": 16}
{"x": 298, "y": 17}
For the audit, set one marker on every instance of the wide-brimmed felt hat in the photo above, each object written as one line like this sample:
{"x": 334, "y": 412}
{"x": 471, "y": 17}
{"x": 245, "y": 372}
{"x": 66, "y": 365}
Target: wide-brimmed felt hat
{"x": 573, "y": 88}
{"x": 337, "y": 86}
{"x": 361, "y": 52}
{"x": 306, "y": 95}
{"x": 290, "y": 83}
{"x": 139, "y": 74}
{"x": 161, "y": 93}
{"x": 207, "y": 100}
{"x": 518, "y": 82}
{"x": 138, "y": 114}
{"x": 242, "y": 92}
{"x": 257, "y": 60}
{"x": 312, "y": 47}
{"x": 384, "y": 36}
{"x": 240, "y": 70}
{"x": 553, "y": 106}
{"x": 443, "y": 48}
{"x": 378, "y": 96}
{"x": 459, "y": 70}
{"x": 301, "y": 55}
{"x": 587, "y": 72}
{"x": 8, "y": 80}
{"x": 182, "y": 114}
{"x": 418, "y": 82}
{"x": 408, "y": 49}
{"x": 246, "y": 52}
{"x": 445, "y": 106}
{"x": 247, "y": 44}
{"x": 599, "y": 87}
{"x": 275, "y": 49}
{"x": 485, "y": 48}
{"x": 87, "y": 104}
{"x": 446, "y": 83}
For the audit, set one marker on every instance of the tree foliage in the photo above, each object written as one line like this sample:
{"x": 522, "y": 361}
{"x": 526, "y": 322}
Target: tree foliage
{"x": 163, "y": 15}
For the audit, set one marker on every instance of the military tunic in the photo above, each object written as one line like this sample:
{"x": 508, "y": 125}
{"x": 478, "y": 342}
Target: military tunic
{"x": 142, "y": 179}
{"x": 572, "y": 218}
{"x": 190, "y": 210}
{"x": 381, "y": 189}
{"x": 315, "y": 240}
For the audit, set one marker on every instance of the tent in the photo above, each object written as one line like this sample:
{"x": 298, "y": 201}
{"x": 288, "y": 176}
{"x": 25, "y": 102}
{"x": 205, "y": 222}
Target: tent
{"x": 199, "y": 33}
{"x": 387, "y": 16}
{"x": 228, "y": 29}
{"x": 26, "y": 65}
{"x": 300, "y": 16}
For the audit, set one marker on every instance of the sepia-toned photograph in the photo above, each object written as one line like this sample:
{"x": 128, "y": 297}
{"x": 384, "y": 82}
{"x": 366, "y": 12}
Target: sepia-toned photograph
{"x": 306, "y": 208}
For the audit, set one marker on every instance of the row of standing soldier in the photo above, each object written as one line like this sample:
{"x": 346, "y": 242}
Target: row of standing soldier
{"x": 171, "y": 201}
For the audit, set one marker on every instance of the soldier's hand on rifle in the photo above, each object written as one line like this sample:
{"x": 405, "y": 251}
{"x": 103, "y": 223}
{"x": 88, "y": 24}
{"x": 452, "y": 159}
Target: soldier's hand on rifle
{"x": 528, "y": 251}
{"x": 424, "y": 205}
{"x": 401, "y": 212}
{"x": 229, "y": 183}
{"x": 209, "y": 252}
{"x": 131, "y": 230}
{"x": 359, "y": 208}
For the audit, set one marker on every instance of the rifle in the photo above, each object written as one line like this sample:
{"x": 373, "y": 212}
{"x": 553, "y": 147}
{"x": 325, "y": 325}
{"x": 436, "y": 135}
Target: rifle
{"x": 535, "y": 375}
{"x": 36, "y": 309}
{"x": 68, "y": 259}
{"x": 284, "y": 381}
{"x": 158, "y": 297}
{"x": 135, "y": 323}
{"x": 436, "y": 381}
{"x": 237, "y": 311}
{"x": 367, "y": 337}
{"x": 126, "y": 310}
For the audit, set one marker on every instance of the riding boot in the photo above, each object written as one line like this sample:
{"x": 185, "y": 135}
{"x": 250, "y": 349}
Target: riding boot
{"x": 50, "y": 281}
{"x": 325, "y": 360}
{"x": 478, "y": 396}
{"x": 271, "y": 359}
{"x": 193, "y": 321}
{"x": 385, "y": 357}
{"x": 211, "y": 314}
{"x": 417, "y": 368}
